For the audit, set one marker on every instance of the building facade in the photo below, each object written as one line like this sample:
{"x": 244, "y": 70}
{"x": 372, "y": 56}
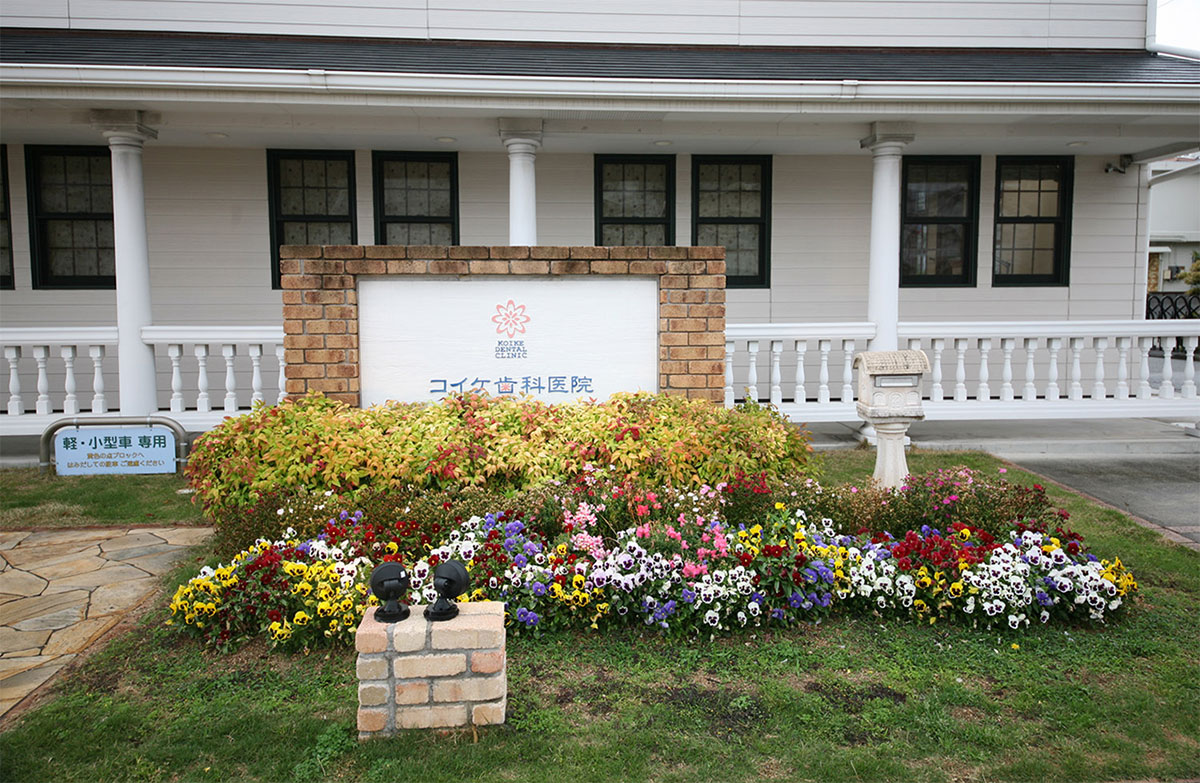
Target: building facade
{"x": 970, "y": 178}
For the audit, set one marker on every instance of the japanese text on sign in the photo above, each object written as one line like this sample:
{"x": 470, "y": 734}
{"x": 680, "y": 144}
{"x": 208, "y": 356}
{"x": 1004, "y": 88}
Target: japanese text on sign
{"x": 80, "y": 452}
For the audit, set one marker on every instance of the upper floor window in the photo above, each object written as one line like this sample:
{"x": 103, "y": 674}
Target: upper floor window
{"x": 1033, "y": 220}
{"x": 6, "y": 255}
{"x": 311, "y": 198}
{"x": 416, "y": 198}
{"x": 731, "y": 207}
{"x": 635, "y": 199}
{"x": 939, "y": 222}
{"x": 71, "y": 217}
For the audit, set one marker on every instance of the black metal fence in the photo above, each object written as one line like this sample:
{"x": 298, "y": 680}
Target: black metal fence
{"x": 1169, "y": 306}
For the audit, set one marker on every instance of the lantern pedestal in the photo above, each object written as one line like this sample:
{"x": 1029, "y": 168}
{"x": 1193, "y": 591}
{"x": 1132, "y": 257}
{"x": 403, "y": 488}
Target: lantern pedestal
{"x": 415, "y": 674}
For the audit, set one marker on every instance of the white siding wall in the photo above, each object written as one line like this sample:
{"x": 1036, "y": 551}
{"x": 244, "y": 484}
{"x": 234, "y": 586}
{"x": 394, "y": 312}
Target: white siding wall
{"x": 207, "y": 218}
{"x": 993, "y": 23}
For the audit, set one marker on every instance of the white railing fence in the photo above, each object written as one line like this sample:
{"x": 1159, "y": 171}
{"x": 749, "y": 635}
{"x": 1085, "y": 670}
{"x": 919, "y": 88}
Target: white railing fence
{"x": 203, "y": 373}
{"x": 981, "y": 370}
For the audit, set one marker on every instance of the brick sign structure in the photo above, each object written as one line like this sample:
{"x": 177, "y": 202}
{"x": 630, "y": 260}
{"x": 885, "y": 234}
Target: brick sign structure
{"x": 320, "y": 303}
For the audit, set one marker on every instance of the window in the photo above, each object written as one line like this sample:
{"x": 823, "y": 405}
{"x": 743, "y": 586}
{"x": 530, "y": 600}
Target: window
{"x": 635, "y": 199}
{"x": 71, "y": 217}
{"x": 416, "y": 198}
{"x": 6, "y": 255}
{"x": 939, "y": 224}
{"x": 731, "y": 207}
{"x": 312, "y": 200}
{"x": 1033, "y": 220}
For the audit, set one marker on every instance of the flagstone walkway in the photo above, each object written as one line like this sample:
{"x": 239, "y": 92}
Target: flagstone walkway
{"x": 61, "y": 590}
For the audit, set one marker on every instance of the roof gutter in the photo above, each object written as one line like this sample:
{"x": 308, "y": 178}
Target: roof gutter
{"x": 216, "y": 83}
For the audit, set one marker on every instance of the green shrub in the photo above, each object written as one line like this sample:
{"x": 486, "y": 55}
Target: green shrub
{"x": 318, "y": 445}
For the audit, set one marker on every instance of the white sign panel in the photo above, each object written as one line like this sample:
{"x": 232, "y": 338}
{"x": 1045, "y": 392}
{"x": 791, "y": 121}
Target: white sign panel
{"x": 95, "y": 450}
{"x": 557, "y": 339}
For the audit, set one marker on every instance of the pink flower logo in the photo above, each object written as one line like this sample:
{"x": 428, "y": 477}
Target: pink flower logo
{"x": 510, "y": 319}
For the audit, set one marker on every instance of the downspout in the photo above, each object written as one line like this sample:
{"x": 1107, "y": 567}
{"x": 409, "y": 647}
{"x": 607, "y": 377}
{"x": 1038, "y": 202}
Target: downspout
{"x": 1152, "y": 44}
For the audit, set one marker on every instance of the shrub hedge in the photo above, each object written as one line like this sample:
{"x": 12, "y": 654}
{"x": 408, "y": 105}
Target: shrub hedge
{"x": 316, "y": 445}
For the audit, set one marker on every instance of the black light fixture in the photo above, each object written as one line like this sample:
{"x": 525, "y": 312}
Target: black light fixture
{"x": 389, "y": 583}
{"x": 451, "y": 580}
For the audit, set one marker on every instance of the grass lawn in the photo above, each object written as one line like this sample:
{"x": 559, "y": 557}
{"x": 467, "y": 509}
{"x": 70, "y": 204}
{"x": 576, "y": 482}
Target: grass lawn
{"x": 856, "y": 698}
{"x": 31, "y": 499}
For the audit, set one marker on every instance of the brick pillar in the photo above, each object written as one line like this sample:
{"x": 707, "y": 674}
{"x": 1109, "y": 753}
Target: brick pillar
{"x": 418, "y": 675}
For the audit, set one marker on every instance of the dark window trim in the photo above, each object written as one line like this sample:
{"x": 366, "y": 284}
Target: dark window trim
{"x": 277, "y": 219}
{"x": 7, "y": 282}
{"x": 378, "y": 158}
{"x": 763, "y": 278}
{"x": 37, "y": 216}
{"x": 1062, "y": 234}
{"x": 597, "y": 197}
{"x": 971, "y": 238}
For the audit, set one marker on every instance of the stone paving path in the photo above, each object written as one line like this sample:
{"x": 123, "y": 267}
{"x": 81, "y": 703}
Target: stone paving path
{"x": 61, "y": 590}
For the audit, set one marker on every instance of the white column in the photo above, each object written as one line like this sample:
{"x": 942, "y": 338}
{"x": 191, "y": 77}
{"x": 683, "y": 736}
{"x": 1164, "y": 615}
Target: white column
{"x": 135, "y": 359}
{"x": 521, "y": 138}
{"x": 886, "y": 142}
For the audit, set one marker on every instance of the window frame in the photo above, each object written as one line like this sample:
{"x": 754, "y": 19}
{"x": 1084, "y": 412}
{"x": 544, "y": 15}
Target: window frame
{"x": 379, "y": 158}
{"x": 1061, "y": 276}
{"x": 667, "y": 222}
{"x": 7, "y": 281}
{"x": 969, "y": 274}
{"x": 763, "y": 278}
{"x": 274, "y": 198}
{"x": 39, "y": 265}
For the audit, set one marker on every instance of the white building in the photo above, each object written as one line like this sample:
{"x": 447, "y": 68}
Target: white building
{"x": 966, "y": 177}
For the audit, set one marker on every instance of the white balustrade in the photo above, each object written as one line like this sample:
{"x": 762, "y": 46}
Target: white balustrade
{"x": 744, "y": 343}
{"x": 54, "y": 371}
{"x": 1091, "y": 364}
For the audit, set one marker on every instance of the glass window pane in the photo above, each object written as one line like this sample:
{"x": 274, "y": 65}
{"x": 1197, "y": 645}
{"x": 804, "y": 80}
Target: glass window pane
{"x": 612, "y": 234}
{"x": 439, "y": 176}
{"x": 395, "y": 202}
{"x": 439, "y": 203}
{"x": 340, "y": 234}
{"x": 101, "y": 170}
{"x": 706, "y": 235}
{"x": 314, "y": 201}
{"x": 87, "y": 262}
{"x": 338, "y": 202}
{"x": 294, "y": 234}
{"x": 291, "y": 173}
{"x": 656, "y": 204}
{"x": 751, "y": 205}
{"x": 441, "y": 234}
{"x": 635, "y": 177}
{"x": 393, "y": 174}
{"x": 612, "y": 203}
{"x": 78, "y": 170}
{"x": 83, "y": 234}
{"x": 107, "y": 262}
{"x": 104, "y": 234}
{"x": 709, "y": 204}
{"x": 318, "y": 234}
{"x": 1048, "y": 206}
{"x": 62, "y": 262}
{"x": 656, "y": 234}
{"x": 1043, "y": 262}
{"x": 417, "y": 172}
{"x": 337, "y": 174}
{"x": 418, "y": 203}
{"x": 52, "y": 170}
{"x": 397, "y": 234}
{"x": 708, "y": 177}
{"x": 656, "y": 177}
{"x": 635, "y": 204}
{"x": 730, "y": 204}
{"x": 54, "y": 198}
{"x": 314, "y": 173}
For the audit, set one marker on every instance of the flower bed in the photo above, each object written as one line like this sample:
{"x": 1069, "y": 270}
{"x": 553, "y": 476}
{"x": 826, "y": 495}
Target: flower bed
{"x": 686, "y": 561}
